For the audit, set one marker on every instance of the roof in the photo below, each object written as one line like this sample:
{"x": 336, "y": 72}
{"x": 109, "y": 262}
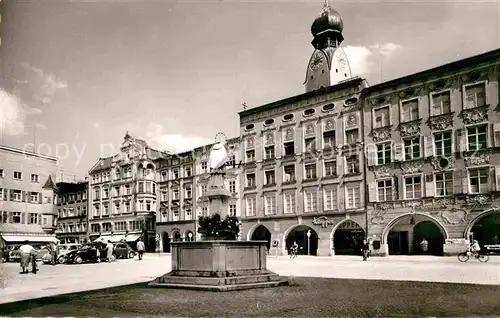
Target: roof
{"x": 102, "y": 164}
{"x": 472, "y": 61}
{"x": 289, "y": 100}
{"x": 20, "y": 228}
{"x": 69, "y": 187}
{"x": 49, "y": 184}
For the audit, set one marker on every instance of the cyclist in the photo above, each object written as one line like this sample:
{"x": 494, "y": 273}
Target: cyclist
{"x": 294, "y": 249}
{"x": 475, "y": 248}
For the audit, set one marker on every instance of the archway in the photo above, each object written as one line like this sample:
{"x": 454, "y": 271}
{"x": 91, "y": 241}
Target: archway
{"x": 189, "y": 236}
{"x": 348, "y": 238}
{"x": 307, "y": 245}
{"x": 166, "y": 243}
{"x": 404, "y": 235}
{"x": 176, "y": 236}
{"x": 261, "y": 233}
{"x": 486, "y": 229}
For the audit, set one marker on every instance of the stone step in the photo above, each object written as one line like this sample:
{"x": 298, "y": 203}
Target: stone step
{"x": 220, "y": 288}
{"x": 218, "y": 281}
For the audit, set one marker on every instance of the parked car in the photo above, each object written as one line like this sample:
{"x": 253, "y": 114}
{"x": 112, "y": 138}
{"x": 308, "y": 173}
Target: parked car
{"x": 123, "y": 250}
{"x": 86, "y": 254}
{"x": 63, "y": 250}
{"x": 15, "y": 252}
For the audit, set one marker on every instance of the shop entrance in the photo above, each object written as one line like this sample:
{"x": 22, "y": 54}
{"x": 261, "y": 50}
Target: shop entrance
{"x": 307, "y": 245}
{"x": 348, "y": 238}
{"x": 261, "y": 233}
{"x": 487, "y": 232}
{"x": 166, "y": 243}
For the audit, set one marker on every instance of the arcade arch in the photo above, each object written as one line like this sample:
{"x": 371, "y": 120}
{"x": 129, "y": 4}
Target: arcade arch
{"x": 485, "y": 228}
{"x": 176, "y": 236}
{"x": 189, "y": 237}
{"x": 347, "y": 238}
{"x": 261, "y": 233}
{"x": 166, "y": 242}
{"x": 405, "y": 233}
{"x": 298, "y": 233}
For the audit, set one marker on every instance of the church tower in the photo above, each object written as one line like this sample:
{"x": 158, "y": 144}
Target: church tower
{"x": 328, "y": 64}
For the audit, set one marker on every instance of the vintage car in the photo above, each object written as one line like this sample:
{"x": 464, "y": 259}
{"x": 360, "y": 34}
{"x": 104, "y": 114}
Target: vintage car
{"x": 63, "y": 250}
{"x": 15, "y": 253}
{"x": 123, "y": 250}
{"x": 86, "y": 254}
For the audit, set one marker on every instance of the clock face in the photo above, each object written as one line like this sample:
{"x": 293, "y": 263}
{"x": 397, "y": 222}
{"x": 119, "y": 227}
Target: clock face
{"x": 317, "y": 61}
{"x": 342, "y": 63}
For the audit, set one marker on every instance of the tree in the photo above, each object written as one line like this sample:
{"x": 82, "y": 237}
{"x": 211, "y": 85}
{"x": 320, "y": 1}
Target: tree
{"x": 214, "y": 227}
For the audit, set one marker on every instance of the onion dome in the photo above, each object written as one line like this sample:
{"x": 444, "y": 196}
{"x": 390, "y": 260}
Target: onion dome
{"x": 329, "y": 20}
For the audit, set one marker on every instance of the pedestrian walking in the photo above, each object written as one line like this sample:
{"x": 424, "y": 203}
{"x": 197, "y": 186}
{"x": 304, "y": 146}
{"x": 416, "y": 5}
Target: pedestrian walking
{"x": 366, "y": 250}
{"x": 109, "y": 251}
{"x": 53, "y": 250}
{"x": 26, "y": 252}
{"x": 424, "y": 246}
{"x": 140, "y": 248}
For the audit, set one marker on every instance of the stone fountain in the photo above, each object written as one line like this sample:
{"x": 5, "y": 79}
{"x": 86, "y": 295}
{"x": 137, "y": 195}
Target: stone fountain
{"x": 218, "y": 265}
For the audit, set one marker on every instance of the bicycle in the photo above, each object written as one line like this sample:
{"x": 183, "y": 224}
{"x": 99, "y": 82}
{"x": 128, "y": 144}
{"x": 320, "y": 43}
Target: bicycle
{"x": 465, "y": 256}
{"x": 293, "y": 253}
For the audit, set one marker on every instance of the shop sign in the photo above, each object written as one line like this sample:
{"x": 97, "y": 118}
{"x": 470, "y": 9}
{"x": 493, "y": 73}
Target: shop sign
{"x": 323, "y": 221}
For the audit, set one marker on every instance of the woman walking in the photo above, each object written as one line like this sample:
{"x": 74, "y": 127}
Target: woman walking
{"x": 109, "y": 251}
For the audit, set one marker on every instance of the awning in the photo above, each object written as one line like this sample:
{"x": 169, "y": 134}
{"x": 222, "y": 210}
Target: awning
{"x": 103, "y": 238}
{"x": 34, "y": 239}
{"x": 132, "y": 237}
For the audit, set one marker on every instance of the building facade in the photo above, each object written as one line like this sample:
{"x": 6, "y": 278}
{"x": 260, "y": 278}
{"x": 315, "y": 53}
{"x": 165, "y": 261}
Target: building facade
{"x": 72, "y": 205}
{"x": 26, "y": 196}
{"x": 123, "y": 195}
{"x": 433, "y": 143}
{"x": 183, "y": 180}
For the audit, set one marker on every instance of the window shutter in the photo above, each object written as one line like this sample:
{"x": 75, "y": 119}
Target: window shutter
{"x": 39, "y": 218}
{"x": 465, "y": 181}
{"x": 11, "y": 192}
{"x": 23, "y": 196}
{"x": 496, "y": 134}
{"x": 372, "y": 192}
{"x": 429, "y": 185}
{"x": 457, "y": 180}
{"x": 11, "y": 217}
{"x": 5, "y": 194}
{"x": 28, "y": 197}
{"x": 497, "y": 178}
{"x": 371, "y": 154}
{"x": 23, "y": 218}
{"x": 398, "y": 151}
{"x": 461, "y": 140}
{"x": 40, "y": 201}
{"x": 428, "y": 146}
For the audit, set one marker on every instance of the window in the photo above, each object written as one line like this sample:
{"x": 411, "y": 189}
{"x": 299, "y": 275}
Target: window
{"x": 330, "y": 168}
{"x": 269, "y": 152}
{"x": 310, "y": 144}
{"x": 34, "y": 178}
{"x": 409, "y": 110}
{"x": 384, "y": 153}
{"x": 189, "y": 214}
{"x": 105, "y": 210}
{"x": 289, "y": 202}
{"x": 204, "y": 166}
{"x": 175, "y": 215}
{"x": 270, "y": 177}
{"x": 94, "y": 228}
{"x": 164, "y": 195}
{"x": 18, "y": 175}
{"x": 204, "y": 211}
{"x": 330, "y": 198}
{"x": 175, "y": 194}
{"x": 382, "y": 117}
{"x": 352, "y": 164}
{"x": 203, "y": 189}
{"x": 251, "y": 206}
{"x": 413, "y": 187}
{"x": 97, "y": 210}
{"x": 17, "y": 195}
{"x": 34, "y": 197}
{"x": 440, "y": 103}
{"x": 127, "y": 189}
{"x": 351, "y": 136}
{"x": 444, "y": 184}
{"x": 442, "y": 142}
{"x": 232, "y": 160}
{"x": 117, "y": 191}
{"x": 475, "y": 96}
{"x": 105, "y": 193}
{"x": 476, "y": 138}
{"x": 289, "y": 173}
{"x": 478, "y": 180}
{"x": 270, "y": 207}
{"x": 412, "y": 148}
{"x": 329, "y": 139}
{"x": 250, "y": 155}
{"x": 126, "y": 207}
{"x": 188, "y": 193}
{"x": 2, "y": 191}
{"x": 117, "y": 174}
{"x": 176, "y": 173}
{"x": 384, "y": 190}
{"x": 310, "y": 201}
{"x": 250, "y": 179}
{"x": 164, "y": 176}
{"x": 117, "y": 207}
{"x": 310, "y": 171}
{"x": 353, "y": 196}
{"x": 16, "y": 217}
{"x": 232, "y": 210}
{"x": 33, "y": 218}
{"x": 289, "y": 148}
{"x": 188, "y": 171}
{"x": 1, "y": 173}
{"x": 232, "y": 186}
{"x": 120, "y": 226}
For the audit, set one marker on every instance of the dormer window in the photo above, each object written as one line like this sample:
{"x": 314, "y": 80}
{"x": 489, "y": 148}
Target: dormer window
{"x": 328, "y": 107}
{"x": 288, "y": 117}
{"x": 249, "y": 127}
{"x": 309, "y": 112}
{"x": 269, "y": 122}
{"x": 351, "y": 101}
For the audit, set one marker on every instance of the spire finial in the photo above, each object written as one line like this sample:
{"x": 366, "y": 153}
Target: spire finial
{"x": 326, "y": 7}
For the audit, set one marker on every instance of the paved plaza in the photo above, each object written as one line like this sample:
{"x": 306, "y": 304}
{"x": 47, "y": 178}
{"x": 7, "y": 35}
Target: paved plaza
{"x": 61, "y": 279}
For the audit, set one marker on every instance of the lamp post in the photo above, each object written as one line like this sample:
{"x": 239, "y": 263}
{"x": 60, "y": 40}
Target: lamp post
{"x": 190, "y": 235}
{"x": 309, "y": 242}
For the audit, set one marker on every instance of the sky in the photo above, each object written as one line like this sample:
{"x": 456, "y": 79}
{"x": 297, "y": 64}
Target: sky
{"x": 77, "y": 75}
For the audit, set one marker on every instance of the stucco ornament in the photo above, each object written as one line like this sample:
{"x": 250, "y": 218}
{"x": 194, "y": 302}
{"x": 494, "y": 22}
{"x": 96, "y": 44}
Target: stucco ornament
{"x": 218, "y": 154}
{"x": 454, "y": 216}
{"x": 382, "y": 172}
{"x": 381, "y": 134}
{"x": 411, "y": 167}
{"x": 409, "y": 129}
{"x": 475, "y": 115}
{"x": 441, "y": 122}
{"x": 478, "y": 160}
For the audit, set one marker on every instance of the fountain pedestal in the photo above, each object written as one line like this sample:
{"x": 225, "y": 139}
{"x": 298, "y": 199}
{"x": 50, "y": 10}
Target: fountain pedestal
{"x": 218, "y": 265}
